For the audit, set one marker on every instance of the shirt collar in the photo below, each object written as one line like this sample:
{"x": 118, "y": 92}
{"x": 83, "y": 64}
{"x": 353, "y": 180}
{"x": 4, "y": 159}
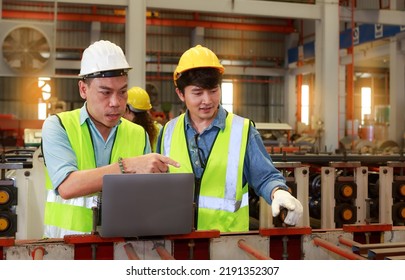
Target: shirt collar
{"x": 219, "y": 120}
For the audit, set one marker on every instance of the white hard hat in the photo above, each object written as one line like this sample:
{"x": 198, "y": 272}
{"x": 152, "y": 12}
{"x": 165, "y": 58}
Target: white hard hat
{"x": 103, "y": 59}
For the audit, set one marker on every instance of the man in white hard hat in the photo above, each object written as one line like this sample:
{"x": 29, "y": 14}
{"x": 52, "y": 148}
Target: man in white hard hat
{"x": 83, "y": 145}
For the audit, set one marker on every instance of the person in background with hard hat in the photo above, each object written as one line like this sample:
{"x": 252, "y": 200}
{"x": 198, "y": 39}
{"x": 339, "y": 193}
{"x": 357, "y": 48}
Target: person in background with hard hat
{"x": 223, "y": 150}
{"x": 138, "y": 112}
{"x": 83, "y": 145}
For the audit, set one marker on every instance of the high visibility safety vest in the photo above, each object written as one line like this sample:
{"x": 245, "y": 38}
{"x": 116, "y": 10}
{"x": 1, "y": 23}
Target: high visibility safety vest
{"x": 157, "y": 127}
{"x": 223, "y": 201}
{"x": 75, "y": 216}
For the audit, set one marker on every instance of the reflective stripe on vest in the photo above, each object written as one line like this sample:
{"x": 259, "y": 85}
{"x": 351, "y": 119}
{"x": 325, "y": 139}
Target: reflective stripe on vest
{"x": 75, "y": 215}
{"x": 221, "y": 185}
{"x": 229, "y": 205}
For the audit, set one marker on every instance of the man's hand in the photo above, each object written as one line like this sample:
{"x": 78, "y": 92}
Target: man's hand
{"x": 284, "y": 199}
{"x": 149, "y": 163}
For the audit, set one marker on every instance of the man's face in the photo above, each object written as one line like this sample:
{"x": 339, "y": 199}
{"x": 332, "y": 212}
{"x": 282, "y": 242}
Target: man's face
{"x": 201, "y": 103}
{"x": 106, "y": 99}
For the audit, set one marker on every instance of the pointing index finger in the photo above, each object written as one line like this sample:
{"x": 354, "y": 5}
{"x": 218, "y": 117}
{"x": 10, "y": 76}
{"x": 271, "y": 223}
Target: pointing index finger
{"x": 170, "y": 161}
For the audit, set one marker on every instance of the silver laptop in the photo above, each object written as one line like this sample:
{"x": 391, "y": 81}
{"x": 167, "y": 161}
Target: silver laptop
{"x": 147, "y": 204}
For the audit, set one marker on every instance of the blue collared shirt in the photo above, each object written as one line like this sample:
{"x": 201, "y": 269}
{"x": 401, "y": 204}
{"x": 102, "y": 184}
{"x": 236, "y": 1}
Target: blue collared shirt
{"x": 59, "y": 156}
{"x": 259, "y": 171}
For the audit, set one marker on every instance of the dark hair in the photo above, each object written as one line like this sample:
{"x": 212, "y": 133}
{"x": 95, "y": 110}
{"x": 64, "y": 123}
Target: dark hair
{"x": 206, "y": 78}
{"x": 146, "y": 121}
{"x": 87, "y": 81}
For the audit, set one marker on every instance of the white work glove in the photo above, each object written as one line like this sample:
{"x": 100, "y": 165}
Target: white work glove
{"x": 284, "y": 199}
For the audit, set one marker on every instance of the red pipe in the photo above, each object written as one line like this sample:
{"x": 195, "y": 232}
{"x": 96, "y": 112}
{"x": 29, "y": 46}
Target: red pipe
{"x": 38, "y": 253}
{"x": 14, "y": 14}
{"x": 129, "y": 249}
{"x": 221, "y": 25}
{"x": 335, "y": 249}
{"x": 163, "y": 253}
{"x": 347, "y": 242}
{"x": 252, "y": 251}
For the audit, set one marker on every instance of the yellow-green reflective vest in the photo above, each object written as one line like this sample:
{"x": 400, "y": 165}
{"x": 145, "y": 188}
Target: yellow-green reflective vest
{"x": 223, "y": 201}
{"x": 75, "y": 215}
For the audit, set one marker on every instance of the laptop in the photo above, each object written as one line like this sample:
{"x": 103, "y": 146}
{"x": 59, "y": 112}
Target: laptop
{"x": 136, "y": 205}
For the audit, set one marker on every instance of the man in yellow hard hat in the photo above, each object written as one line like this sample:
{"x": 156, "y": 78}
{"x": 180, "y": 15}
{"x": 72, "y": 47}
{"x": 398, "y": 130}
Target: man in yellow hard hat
{"x": 83, "y": 145}
{"x": 138, "y": 112}
{"x": 223, "y": 150}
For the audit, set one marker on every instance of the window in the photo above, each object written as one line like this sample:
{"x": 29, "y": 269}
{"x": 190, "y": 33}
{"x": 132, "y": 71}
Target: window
{"x": 305, "y": 104}
{"x": 43, "y": 84}
{"x": 365, "y": 103}
{"x": 42, "y": 111}
{"x": 227, "y": 96}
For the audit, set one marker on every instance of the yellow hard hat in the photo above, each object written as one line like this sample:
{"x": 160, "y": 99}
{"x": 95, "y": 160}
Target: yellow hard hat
{"x": 138, "y": 99}
{"x": 197, "y": 57}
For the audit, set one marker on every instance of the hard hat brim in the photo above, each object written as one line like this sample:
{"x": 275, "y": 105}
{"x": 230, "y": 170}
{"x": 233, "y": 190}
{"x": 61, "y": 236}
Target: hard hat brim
{"x": 137, "y": 110}
{"x": 106, "y": 74}
{"x": 177, "y": 74}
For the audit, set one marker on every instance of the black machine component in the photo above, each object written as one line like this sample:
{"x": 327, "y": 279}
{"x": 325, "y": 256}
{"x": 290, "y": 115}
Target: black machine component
{"x": 254, "y": 204}
{"x": 315, "y": 185}
{"x": 315, "y": 199}
{"x": 398, "y": 205}
{"x": 254, "y": 210}
{"x": 9, "y": 193}
{"x": 345, "y": 207}
{"x": 325, "y": 158}
{"x": 315, "y": 209}
{"x": 8, "y": 201}
{"x": 292, "y": 185}
{"x": 373, "y": 195}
